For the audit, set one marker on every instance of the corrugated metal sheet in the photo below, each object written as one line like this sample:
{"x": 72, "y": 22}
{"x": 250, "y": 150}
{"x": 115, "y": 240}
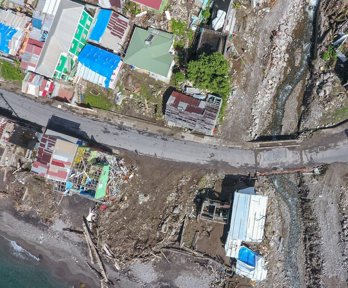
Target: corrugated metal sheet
{"x": 188, "y": 112}
{"x": 61, "y": 160}
{"x": 98, "y": 65}
{"x": 154, "y": 4}
{"x": 109, "y": 30}
{"x": 51, "y": 7}
{"x": 247, "y": 219}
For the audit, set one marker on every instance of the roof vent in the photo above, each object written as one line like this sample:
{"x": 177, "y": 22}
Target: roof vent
{"x": 149, "y": 39}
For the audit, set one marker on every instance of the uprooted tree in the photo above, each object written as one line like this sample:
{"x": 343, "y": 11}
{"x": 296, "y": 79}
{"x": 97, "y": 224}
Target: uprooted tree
{"x": 212, "y": 73}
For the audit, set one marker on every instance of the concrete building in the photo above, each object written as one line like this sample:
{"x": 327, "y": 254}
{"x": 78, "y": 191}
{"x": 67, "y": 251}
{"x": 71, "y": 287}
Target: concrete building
{"x": 151, "y": 51}
{"x": 211, "y": 41}
{"x": 191, "y": 113}
{"x": 66, "y": 38}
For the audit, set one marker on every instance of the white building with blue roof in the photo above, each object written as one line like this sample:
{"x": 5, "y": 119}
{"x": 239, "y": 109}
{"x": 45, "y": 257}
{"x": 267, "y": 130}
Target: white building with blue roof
{"x": 98, "y": 66}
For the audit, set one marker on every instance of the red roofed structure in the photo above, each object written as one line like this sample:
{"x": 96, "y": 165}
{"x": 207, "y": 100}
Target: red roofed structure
{"x": 54, "y": 156}
{"x": 30, "y": 57}
{"x": 191, "y": 113}
{"x": 37, "y": 85}
{"x": 153, "y": 4}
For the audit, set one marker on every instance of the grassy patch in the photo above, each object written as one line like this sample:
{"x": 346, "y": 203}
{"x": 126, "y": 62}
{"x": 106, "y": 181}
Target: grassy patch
{"x": 98, "y": 99}
{"x": 222, "y": 110}
{"x": 10, "y": 71}
{"x": 132, "y": 8}
{"x": 341, "y": 114}
{"x": 145, "y": 95}
{"x": 329, "y": 55}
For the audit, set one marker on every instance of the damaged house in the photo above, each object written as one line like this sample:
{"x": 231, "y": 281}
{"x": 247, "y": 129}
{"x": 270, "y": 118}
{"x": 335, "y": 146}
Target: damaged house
{"x": 73, "y": 167}
{"x": 193, "y": 114}
{"x": 109, "y": 30}
{"x": 13, "y": 30}
{"x": 17, "y": 143}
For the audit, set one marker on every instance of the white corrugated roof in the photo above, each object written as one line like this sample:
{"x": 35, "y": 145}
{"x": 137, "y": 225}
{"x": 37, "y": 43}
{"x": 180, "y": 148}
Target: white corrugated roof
{"x": 16, "y": 20}
{"x": 257, "y": 273}
{"x": 51, "y": 7}
{"x": 247, "y": 220}
{"x": 60, "y": 36}
{"x": 90, "y": 75}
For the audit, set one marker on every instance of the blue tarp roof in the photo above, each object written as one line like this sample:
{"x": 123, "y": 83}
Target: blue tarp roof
{"x": 6, "y": 34}
{"x": 100, "y": 61}
{"x": 37, "y": 23}
{"x": 247, "y": 256}
{"x": 102, "y": 22}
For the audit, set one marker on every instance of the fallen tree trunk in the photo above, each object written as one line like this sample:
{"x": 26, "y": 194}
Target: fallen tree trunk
{"x": 94, "y": 249}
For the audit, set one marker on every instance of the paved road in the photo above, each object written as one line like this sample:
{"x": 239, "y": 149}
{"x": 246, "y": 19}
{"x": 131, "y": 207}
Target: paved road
{"x": 178, "y": 150}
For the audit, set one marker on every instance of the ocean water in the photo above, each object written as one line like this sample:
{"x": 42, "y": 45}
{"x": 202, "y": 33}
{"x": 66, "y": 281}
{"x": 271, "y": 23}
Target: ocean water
{"x": 20, "y": 269}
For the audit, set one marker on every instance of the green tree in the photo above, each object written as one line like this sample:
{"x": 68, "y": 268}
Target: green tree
{"x": 212, "y": 73}
{"x": 178, "y": 27}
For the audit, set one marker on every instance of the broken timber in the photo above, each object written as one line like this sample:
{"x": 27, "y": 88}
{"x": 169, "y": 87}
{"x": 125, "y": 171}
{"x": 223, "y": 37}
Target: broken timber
{"x": 183, "y": 231}
{"x": 94, "y": 250}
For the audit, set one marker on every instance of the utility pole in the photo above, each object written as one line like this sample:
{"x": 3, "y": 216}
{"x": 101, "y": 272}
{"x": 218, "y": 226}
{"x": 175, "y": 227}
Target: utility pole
{"x": 3, "y": 99}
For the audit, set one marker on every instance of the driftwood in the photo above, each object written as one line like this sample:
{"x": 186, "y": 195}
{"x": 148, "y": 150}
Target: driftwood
{"x": 73, "y": 230}
{"x": 94, "y": 250}
{"x": 183, "y": 231}
{"x": 95, "y": 271}
{"x": 164, "y": 255}
{"x": 189, "y": 252}
{"x": 89, "y": 249}
{"x": 195, "y": 239}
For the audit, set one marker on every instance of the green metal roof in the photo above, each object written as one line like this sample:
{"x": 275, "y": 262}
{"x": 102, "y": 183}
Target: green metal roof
{"x": 103, "y": 182}
{"x": 153, "y": 57}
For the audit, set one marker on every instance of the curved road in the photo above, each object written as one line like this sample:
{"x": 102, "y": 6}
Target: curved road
{"x": 183, "y": 151}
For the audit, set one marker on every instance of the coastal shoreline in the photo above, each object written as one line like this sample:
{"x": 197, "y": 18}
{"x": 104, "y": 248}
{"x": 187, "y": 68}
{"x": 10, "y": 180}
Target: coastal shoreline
{"x": 60, "y": 253}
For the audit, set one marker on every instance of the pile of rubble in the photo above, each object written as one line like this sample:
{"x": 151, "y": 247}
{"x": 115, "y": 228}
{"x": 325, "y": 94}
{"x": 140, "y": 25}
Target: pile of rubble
{"x": 327, "y": 87}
